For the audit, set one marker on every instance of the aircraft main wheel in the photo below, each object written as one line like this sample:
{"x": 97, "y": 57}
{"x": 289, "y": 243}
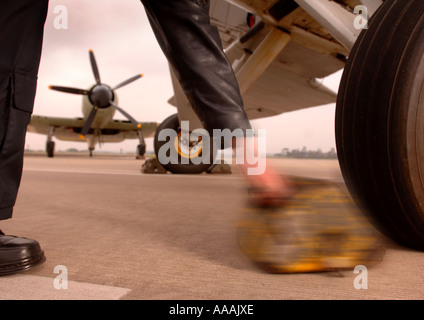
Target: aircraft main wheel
{"x": 380, "y": 121}
{"x": 50, "y": 149}
{"x": 185, "y": 156}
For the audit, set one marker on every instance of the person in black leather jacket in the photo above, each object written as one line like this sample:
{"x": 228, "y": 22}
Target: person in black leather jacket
{"x": 193, "y": 48}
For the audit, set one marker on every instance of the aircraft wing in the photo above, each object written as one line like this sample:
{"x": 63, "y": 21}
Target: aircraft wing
{"x": 293, "y": 80}
{"x": 69, "y": 129}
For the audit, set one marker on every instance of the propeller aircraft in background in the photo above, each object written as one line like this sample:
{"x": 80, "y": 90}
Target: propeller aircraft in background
{"x": 99, "y": 105}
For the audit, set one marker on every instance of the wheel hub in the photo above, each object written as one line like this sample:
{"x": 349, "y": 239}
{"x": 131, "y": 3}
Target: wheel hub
{"x": 100, "y": 96}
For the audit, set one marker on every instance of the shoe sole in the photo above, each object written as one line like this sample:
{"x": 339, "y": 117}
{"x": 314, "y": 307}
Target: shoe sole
{"x": 22, "y": 265}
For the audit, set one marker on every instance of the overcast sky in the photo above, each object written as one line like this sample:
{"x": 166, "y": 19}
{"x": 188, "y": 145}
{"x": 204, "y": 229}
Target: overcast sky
{"x": 124, "y": 45}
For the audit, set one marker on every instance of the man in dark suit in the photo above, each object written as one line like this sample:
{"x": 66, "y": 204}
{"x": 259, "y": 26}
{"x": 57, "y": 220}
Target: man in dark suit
{"x": 21, "y": 33}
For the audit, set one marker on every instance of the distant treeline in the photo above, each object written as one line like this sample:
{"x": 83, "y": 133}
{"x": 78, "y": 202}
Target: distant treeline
{"x": 308, "y": 154}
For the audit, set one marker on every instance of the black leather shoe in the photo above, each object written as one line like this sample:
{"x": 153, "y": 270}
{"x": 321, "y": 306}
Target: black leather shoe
{"x": 18, "y": 254}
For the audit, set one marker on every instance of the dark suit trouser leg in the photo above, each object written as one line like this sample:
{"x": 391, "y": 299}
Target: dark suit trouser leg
{"x": 193, "y": 48}
{"x": 21, "y": 33}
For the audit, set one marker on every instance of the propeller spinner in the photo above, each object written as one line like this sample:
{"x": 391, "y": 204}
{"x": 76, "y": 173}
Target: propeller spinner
{"x": 101, "y": 96}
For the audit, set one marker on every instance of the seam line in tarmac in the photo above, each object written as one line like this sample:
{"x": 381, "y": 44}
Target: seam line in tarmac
{"x": 212, "y": 176}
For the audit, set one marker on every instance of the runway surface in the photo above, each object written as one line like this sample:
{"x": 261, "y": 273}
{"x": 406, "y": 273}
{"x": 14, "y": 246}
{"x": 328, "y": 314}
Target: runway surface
{"x": 122, "y": 234}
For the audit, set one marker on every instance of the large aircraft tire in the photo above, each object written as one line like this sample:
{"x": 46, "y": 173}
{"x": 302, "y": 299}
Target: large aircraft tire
{"x": 380, "y": 121}
{"x": 176, "y": 164}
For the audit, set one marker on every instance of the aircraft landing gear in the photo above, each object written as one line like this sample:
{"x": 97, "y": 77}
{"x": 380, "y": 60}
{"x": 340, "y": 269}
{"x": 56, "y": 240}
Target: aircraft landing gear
{"x": 50, "y": 144}
{"x": 141, "y": 148}
{"x": 50, "y": 149}
{"x": 380, "y": 121}
{"x": 189, "y": 150}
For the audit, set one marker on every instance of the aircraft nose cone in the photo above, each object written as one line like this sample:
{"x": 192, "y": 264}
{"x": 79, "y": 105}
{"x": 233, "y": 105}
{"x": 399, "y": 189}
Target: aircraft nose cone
{"x": 101, "y": 95}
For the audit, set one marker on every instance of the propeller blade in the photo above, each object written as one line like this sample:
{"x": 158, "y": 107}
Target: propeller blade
{"x": 124, "y": 83}
{"x": 70, "y": 90}
{"x": 94, "y": 67}
{"x": 89, "y": 122}
{"x": 126, "y": 114}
